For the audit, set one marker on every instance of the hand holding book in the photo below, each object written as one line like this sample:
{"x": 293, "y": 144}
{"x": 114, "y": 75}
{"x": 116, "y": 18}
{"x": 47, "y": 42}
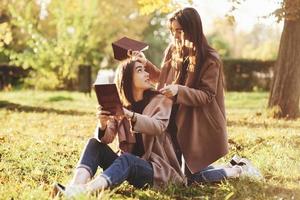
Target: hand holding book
{"x": 103, "y": 117}
{"x": 140, "y": 56}
{"x": 130, "y": 115}
{"x": 125, "y": 48}
{"x": 108, "y": 98}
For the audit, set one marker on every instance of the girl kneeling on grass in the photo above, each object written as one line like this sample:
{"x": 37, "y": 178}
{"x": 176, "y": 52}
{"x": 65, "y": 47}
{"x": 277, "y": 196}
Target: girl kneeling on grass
{"x": 149, "y": 159}
{"x": 192, "y": 75}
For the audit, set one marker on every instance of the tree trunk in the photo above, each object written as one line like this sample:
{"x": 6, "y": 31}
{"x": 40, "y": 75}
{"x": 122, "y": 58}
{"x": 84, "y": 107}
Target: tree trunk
{"x": 285, "y": 91}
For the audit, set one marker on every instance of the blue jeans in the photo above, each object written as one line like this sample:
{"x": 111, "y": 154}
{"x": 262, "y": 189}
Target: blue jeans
{"x": 96, "y": 154}
{"x": 135, "y": 170}
{"x": 207, "y": 175}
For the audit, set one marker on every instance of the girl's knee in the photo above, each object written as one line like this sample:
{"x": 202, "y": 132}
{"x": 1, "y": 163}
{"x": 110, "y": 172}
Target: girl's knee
{"x": 93, "y": 141}
{"x": 128, "y": 158}
{"x": 96, "y": 143}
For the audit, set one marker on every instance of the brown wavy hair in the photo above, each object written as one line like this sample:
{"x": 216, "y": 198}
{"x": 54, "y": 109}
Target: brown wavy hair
{"x": 191, "y": 24}
{"x": 124, "y": 82}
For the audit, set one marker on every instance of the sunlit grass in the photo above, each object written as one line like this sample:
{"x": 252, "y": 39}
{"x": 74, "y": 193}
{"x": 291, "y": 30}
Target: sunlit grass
{"x": 43, "y": 133}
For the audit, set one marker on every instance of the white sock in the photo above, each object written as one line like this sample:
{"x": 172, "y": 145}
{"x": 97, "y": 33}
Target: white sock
{"x": 98, "y": 183}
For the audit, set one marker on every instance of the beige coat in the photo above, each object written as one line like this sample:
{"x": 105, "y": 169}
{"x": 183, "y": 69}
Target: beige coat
{"x": 200, "y": 119}
{"x": 157, "y": 143}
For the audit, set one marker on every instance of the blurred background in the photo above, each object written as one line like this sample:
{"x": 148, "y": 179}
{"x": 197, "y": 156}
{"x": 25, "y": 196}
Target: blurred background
{"x": 53, "y": 44}
{"x": 52, "y": 51}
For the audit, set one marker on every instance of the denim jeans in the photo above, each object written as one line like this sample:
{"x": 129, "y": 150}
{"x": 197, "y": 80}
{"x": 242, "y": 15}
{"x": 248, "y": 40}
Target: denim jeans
{"x": 207, "y": 175}
{"x": 96, "y": 154}
{"x": 135, "y": 170}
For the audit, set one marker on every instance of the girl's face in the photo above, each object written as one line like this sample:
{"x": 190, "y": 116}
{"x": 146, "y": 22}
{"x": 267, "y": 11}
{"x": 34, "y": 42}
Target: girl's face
{"x": 141, "y": 80}
{"x": 177, "y": 31}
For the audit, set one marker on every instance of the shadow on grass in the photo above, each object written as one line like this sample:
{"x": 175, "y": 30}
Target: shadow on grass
{"x": 260, "y": 124}
{"x": 60, "y": 98}
{"x": 283, "y": 193}
{"x": 23, "y": 108}
{"x": 245, "y": 188}
{"x": 230, "y": 189}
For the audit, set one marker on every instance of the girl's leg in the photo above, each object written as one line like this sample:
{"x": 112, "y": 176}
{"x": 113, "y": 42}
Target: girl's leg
{"x": 212, "y": 174}
{"x": 94, "y": 154}
{"x": 208, "y": 175}
{"x": 81, "y": 176}
{"x": 135, "y": 170}
{"x": 232, "y": 172}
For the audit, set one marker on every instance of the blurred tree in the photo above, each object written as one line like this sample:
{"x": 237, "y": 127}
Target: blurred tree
{"x": 262, "y": 42}
{"x": 220, "y": 44}
{"x": 56, "y": 37}
{"x": 5, "y": 30}
{"x": 285, "y": 92}
{"x": 165, "y": 6}
{"x": 157, "y": 36}
{"x": 222, "y": 36}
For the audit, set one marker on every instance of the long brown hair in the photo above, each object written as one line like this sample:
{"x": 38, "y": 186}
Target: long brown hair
{"x": 124, "y": 82}
{"x": 191, "y": 24}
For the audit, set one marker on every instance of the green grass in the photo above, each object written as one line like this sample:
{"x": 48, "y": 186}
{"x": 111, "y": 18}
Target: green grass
{"x": 43, "y": 133}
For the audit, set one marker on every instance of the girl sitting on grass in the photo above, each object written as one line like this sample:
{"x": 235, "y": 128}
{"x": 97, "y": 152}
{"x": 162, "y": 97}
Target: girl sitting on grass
{"x": 149, "y": 158}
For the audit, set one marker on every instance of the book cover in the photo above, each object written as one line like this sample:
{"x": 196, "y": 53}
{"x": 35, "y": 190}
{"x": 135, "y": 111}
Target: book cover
{"x": 108, "y": 98}
{"x": 123, "y": 47}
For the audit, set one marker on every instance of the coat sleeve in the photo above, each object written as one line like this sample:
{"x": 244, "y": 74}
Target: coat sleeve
{"x": 109, "y": 134}
{"x": 124, "y": 132}
{"x": 154, "y": 71}
{"x": 155, "y": 118}
{"x": 206, "y": 91}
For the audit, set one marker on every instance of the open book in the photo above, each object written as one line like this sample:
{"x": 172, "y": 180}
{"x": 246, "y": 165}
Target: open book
{"x": 123, "y": 47}
{"x": 108, "y": 98}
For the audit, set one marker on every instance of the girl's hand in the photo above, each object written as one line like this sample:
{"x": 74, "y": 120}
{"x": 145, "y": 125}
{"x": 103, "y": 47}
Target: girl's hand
{"x": 128, "y": 113}
{"x": 140, "y": 56}
{"x": 169, "y": 90}
{"x": 109, "y": 136}
{"x": 103, "y": 117}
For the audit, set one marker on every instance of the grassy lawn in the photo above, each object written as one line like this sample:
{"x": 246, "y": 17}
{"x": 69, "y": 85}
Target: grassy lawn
{"x": 43, "y": 133}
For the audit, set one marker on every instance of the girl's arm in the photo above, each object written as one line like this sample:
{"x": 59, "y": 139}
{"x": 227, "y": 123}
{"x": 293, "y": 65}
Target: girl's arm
{"x": 107, "y": 135}
{"x": 106, "y": 130}
{"x": 156, "y": 121}
{"x": 154, "y": 71}
{"x": 205, "y": 93}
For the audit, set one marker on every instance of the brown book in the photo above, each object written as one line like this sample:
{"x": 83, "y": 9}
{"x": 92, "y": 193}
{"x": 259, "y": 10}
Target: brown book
{"x": 108, "y": 98}
{"x": 123, "y": 47}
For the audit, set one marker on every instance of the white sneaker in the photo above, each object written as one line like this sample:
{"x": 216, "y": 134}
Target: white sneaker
{"x": 234, "y": 160}
{"x": 57, "y": 190}
{"x": 248, "y": 169}
{"x": 74, "y": 190}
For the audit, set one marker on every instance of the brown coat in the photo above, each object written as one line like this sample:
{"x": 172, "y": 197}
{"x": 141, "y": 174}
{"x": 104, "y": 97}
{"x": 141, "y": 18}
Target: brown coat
{"x": 157, "y": 143}
{"x": 200, "y": 119}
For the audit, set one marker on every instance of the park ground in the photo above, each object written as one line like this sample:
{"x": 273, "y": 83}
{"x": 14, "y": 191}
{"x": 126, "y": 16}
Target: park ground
{"x": 43, "y": 133}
